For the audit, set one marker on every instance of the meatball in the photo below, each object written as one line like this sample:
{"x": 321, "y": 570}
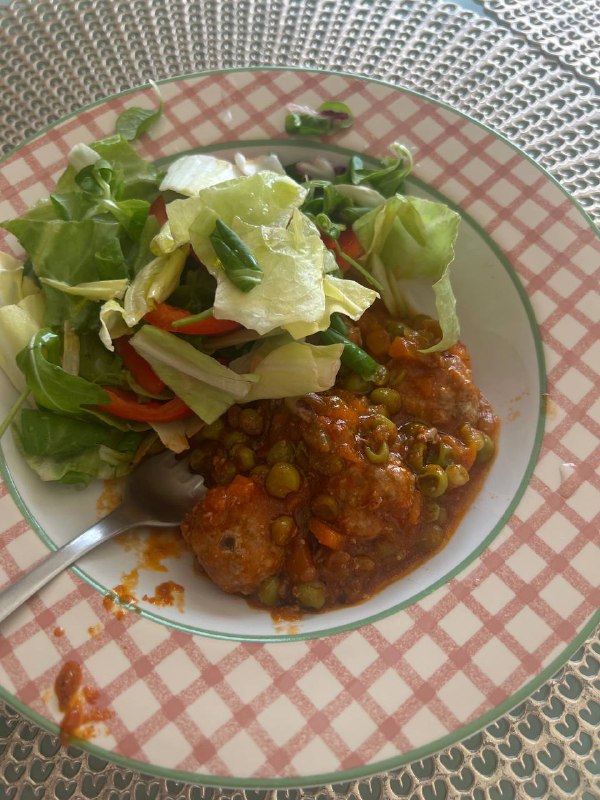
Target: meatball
{"x": 230, "y": 534}
{"x": 375, "y": 499}
{"x": 438, "y": 388}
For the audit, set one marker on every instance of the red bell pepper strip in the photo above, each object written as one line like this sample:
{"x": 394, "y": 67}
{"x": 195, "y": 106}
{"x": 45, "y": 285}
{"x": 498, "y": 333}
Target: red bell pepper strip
{"x": 142, "y": 372}
{"x": 163, "y": 316}
{"x": 348, "y": 243}
{"x": 158, "y": 209}
{"x": 125, "y": 405}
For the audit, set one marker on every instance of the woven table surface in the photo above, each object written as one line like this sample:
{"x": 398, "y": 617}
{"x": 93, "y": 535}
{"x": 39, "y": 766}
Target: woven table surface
{"x": 528, "y": 71}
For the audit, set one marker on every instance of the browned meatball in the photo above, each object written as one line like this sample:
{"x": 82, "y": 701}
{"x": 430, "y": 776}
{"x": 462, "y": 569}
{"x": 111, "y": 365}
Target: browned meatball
{"x": 375, "y": 499}
{"x": 230, "y": 534}
{"x": 438, "y": 388}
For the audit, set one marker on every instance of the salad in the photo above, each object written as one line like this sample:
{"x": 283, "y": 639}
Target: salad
{"x": 149, "y": 301}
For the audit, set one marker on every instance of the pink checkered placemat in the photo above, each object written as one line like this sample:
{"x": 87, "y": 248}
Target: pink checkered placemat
{"x": 367, "y": 699}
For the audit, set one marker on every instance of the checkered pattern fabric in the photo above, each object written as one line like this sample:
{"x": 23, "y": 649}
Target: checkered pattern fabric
{"x": 361, "y": 699}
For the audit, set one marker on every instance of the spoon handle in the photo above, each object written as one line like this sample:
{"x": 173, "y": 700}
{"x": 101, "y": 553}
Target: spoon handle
{"x": 58, "y": 560}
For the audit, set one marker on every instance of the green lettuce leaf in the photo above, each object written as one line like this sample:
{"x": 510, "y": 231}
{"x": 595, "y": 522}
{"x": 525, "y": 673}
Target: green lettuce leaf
{"x": 295, "y": 294}
{"x": 206, "y": 386}
{"x": 265, "y": 198}
{"x": 134, "y": 177}
{"x": 51, "y": 386}
{"x": 287, "y": 368}
{"x": 410, "y": 239}
{"x": 14, "y": 283}
{"x": 91, "y": 290}
{"x": 82, "y": 465}
{"x": 19, "y": 323}
{"x": 66, "y": 251}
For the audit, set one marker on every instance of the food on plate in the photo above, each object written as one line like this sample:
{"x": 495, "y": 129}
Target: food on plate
{"x": 320, "y": 500}
{"x": 261, "y": 320}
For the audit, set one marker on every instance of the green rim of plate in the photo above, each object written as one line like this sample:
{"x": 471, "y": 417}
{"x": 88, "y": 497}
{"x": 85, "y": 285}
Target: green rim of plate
{"x": 460, "y": 733}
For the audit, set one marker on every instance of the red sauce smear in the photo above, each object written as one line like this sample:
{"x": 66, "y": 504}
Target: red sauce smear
{"x": 74, "y": 700}
{"x": 167, "y": 594}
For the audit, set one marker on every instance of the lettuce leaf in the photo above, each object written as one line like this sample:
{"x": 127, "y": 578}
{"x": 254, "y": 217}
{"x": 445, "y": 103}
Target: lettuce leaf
{"x": 89, "y": 461}
{"x": 264, "y": 198}
{"x": 19, "y": 323}
{"x": 91, "y": 290}
{"x": 152, "y": 285}
{"x": 135, "y": 177}
{"x": 410, "y": 239}
{"x": 287, "y": 368}
{"x": 204, "y": 384}
{"x": 190, "y": 174}
{"x": 51, "y": 386}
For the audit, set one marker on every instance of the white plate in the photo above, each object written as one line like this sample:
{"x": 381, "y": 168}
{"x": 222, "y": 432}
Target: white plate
{"x": 435, "y": 655}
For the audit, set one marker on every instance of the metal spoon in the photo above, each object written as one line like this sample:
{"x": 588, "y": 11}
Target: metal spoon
{"x": 158, "y": 493}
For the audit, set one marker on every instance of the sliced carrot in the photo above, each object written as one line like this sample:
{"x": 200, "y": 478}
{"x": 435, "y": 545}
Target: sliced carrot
{"x": 325, "y": 534}
{"x": 299, "y": 564}
{"x": 403, "y": 350}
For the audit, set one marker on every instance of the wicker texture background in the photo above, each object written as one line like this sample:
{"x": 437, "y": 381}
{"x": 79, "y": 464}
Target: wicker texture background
{"x": 529, "y": 71}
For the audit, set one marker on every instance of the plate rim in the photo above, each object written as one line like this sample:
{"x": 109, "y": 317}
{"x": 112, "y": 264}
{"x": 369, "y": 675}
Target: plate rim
{"x": 458, "y": 734}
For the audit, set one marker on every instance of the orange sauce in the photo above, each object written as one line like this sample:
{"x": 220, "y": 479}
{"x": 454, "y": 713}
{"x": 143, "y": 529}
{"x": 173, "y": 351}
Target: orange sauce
{"x": 167, "y": 594}
{"x": 151, "y": 549}
{"x": 286, "y": 620}
{"x": 58, "y": 631}
{"x": 95, "y": 631}
{"x": 74, "y": 700}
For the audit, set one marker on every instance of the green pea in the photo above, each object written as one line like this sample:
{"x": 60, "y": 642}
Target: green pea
{"x": 412, "y": 429}
{"x": 282, "y": 529}
{"x": 416, "y": 455}
{"x": 200, "y": 458}
{"x": 445, "y": 454}
{"x": 431, "y": 512}
{"x": 382, "y": 376}
{"x": 282, "y": 479}
{"x": 317, "y": 439}
{"x": 457, "y": 475}
{"x": 224, "y": 473}
{"x": 311, "y": 595}
{"x": 388, "y": 425}
{"x": 233, "y": 438}
{"x": 430, "y": 538}
{"x": 280, "y": 451}
{"x": 260, "y": 471}
{"x": 251, "y": 421}
{"x": 485, "y": 453}
{"x": 243, "y": 457}
{"x": 390, "y": 398}
{"x": 395, "y": 328}
{"x": 214, "y": 430}
{"x": 325, "y": 506}
{"x": 354, "y": 383}
{"x": 268, "y": 591}
{"x": 379, "y": 456}
{"x": 432, "y": 480}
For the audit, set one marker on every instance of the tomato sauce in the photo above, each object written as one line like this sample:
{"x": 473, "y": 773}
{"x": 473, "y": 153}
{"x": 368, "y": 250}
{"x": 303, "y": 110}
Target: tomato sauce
{"x": 77, "y": 703}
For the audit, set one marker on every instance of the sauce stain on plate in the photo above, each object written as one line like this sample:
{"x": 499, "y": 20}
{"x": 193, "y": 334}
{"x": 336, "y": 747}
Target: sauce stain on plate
{"x": 151, "y": 549}
{"x": 77, "y": 703}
